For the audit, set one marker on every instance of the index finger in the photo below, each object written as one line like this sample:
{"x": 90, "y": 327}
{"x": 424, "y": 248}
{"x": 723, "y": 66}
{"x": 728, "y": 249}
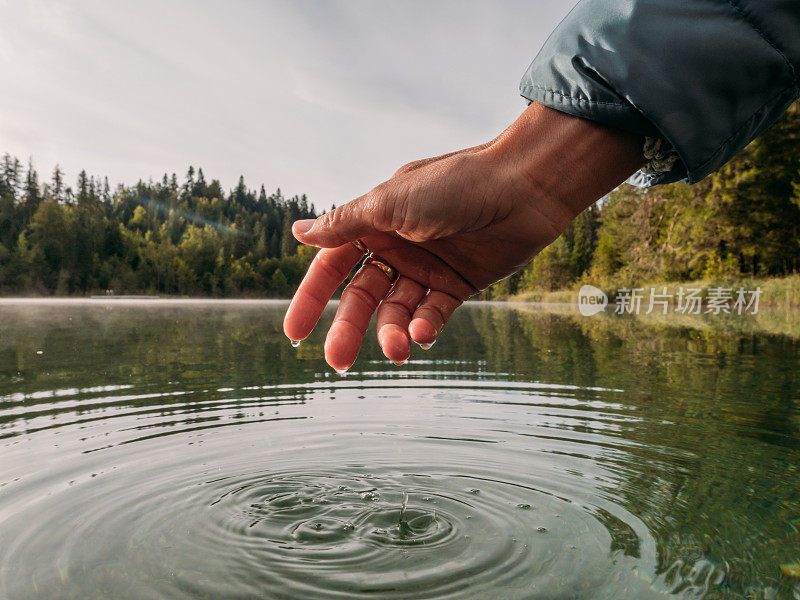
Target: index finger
{"x": 328, "y": 270}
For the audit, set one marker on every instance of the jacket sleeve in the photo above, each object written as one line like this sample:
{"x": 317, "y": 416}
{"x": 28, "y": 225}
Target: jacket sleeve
{"x": 702, "y": 76}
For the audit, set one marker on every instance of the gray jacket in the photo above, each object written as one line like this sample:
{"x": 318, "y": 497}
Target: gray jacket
{"x": 705, "y": 75}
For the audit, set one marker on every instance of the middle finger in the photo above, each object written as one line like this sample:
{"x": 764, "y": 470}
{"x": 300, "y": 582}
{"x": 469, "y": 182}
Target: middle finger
{"x": 359, "y": 300}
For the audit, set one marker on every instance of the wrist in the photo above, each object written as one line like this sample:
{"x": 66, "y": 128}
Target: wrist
{"x": 566, "y": 161}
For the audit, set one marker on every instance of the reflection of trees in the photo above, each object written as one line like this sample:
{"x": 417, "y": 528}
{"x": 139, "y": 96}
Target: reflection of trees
{"x": 83, "y": 346}
{"x": 156, "y": 350}
{"x": 707, "y": 420}
{"x": 711, "y": 457}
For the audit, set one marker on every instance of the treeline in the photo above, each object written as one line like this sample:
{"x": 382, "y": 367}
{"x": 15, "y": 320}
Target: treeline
{"x": 193, "y": 238}
{"x": 189, "y": 238}
{"x": 742, "y": 221}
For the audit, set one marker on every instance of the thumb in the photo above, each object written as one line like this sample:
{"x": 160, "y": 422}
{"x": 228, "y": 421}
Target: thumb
{"x": 349, "y": 222}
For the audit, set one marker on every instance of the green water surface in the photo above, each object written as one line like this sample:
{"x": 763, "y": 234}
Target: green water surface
{"x": 186, "y": 450}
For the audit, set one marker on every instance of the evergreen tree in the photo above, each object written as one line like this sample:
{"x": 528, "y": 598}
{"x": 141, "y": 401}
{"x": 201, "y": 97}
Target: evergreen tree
{"x": 57, "y": 187}
{"x": 32, "y": 195}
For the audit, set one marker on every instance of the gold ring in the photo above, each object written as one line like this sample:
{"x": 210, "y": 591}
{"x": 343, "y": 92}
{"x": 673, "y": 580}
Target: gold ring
{"x": 361, "y": 247}
{"x": 389, "y": 271}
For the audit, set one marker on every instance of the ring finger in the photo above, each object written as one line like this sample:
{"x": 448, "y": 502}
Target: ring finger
{"x": 359, "y": 300}
{"x": 394, "y": 315}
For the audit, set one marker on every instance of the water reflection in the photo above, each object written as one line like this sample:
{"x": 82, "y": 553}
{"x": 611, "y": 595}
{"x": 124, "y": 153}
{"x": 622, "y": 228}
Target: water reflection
{"x": 191, "y": 451}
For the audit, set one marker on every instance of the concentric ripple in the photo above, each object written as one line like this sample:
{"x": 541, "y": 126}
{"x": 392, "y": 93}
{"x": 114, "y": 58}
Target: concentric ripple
{"x": 336, "y": 533}
{"x": 280, "y": 509}
{"x": 444, "y": 479}
{"x": 450, "y": 538}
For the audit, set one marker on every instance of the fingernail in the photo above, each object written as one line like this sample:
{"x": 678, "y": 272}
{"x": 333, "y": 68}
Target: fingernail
{"x": 303, "y": 226}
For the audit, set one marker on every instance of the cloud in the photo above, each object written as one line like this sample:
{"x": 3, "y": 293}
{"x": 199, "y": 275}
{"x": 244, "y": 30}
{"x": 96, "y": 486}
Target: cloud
{"x": 326, "y": 98}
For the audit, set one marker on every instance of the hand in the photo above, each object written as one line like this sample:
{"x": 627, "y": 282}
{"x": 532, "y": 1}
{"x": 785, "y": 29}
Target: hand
{"x": 451, "y": 226}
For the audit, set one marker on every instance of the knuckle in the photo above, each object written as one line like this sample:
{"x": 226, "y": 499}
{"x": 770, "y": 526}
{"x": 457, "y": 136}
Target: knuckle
{"x": 330, "y": 270}
{"x": 406, "y": 168}
{"x": 332, "y": 223}
{"x": 379, "y": 207}
{"x": 437, "y": 315}
{"x": 361, "y": 295}
{"x": 328, "y": 219}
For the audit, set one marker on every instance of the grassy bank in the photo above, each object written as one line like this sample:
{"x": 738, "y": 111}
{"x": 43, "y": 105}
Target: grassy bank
{"x": 776, "y": 292}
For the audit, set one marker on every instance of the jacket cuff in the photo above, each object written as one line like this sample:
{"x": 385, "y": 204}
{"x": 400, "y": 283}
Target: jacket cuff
{"x": 704, "y": 75}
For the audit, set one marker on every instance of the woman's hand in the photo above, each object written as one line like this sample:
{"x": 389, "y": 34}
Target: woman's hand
{"x": 451, "y": 226}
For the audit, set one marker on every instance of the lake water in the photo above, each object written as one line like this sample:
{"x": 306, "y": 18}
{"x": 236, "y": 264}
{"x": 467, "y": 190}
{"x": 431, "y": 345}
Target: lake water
{"x": 158, "y": 450}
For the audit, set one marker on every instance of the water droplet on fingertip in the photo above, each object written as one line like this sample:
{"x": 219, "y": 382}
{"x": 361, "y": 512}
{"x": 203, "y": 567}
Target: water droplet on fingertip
{"x": 427, "y": 346}
{"x": 341, "y": 372}
{"x": 295, "y": 343}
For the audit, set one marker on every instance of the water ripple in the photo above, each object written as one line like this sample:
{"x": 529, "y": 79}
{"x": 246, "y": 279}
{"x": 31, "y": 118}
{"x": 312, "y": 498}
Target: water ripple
{"x": 303, "y": 499}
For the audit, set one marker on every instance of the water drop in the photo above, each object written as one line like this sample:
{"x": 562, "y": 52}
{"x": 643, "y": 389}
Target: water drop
{"x": 475, "y": 491}
{"x": 541, "y": 529}
{"x": 295, "y": 343}
{"x": 402, "y": 522}
{"x": 524, "y": 506}
{"x": 399, "y": 363}
{"x": 427, "y": 346}
{"x": 341, "y": 372}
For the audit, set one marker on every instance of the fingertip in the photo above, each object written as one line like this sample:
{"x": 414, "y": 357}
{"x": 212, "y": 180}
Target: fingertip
{"x": 306, "y": 231}
{"x": 422, "y": 331}
{"x": 292, "y": 332}
{"x": 342, "y": 345}
{"x": 394, "y": 342}
{"x": 320, "y": 238}
{"x": 302, "y": 227}
{"x": 299, "y": 321}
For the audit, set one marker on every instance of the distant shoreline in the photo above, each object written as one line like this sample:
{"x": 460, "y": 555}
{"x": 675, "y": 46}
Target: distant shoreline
{"x": 97, "y": 299}
{"x": 776, "y": 292}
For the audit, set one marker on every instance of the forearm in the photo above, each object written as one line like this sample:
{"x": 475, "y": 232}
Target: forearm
{"x": 705, "y": 76}
{"x": 572, "y": 161}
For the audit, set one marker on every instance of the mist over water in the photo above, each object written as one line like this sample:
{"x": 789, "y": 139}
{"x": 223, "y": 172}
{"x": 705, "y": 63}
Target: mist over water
{"x": 188, "y": 450}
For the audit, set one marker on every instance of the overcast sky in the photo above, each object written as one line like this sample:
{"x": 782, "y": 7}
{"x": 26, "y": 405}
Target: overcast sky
{"x": 326, "y": 98}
